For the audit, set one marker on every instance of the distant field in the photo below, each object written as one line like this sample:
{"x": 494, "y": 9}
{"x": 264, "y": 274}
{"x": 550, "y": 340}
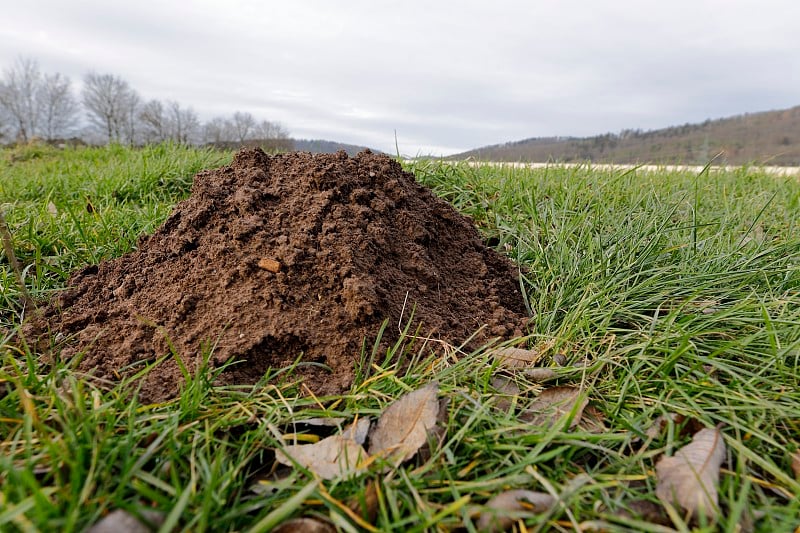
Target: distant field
{"x": 661, "y": 169}
{"x": 669, "y": 299}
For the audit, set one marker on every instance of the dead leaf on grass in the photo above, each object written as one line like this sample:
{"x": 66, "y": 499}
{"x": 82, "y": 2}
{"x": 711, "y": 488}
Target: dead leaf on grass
{"x": 661, "y": 423}
{"x": 333, "y": 421}
{"x": 403, "y": 427}
{"x": 332, "y": 457}
{"x": 796, "y": 464}
{"x": 506, "y": 387}
{"x": 592, "y": 420}
{"x": 644, "y": 510}
{"x": 509, "y": 357}
{"x": 690, "y": 477}
{"x": 304, "y": 525}
{"x": 541, "y": 374}
{"x": 358, "y": 430}
{"x": 366, "y": 504}
{"x": 121, "y": 521}
{"x": 503, "y": 509}
{"x": 554, "y": 404}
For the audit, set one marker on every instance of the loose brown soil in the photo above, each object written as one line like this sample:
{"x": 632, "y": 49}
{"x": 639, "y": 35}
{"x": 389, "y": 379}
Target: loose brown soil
{"x": 272, "y": 257}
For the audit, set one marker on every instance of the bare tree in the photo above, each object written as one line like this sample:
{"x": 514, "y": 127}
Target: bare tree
{"x": 243, "y": 125}
{"x": 58, "y": 107}
{"x": 218, "y": 130}
{"x": 18, "y": 91}
{"x": 270, "y": 130}
{"x": 184, "y": 123}
{"x": 154, "y": 122}
{"x": 111, "y": 106}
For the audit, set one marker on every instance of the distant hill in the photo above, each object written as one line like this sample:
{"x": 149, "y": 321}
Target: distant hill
{"x": 317, "y": 146}
{"x": 771, "y": 137}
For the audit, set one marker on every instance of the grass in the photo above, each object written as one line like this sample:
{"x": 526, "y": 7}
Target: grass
{"x": 683, "y": 291}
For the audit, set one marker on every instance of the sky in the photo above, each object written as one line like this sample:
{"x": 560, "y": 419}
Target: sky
{"x": 429, "y": 77}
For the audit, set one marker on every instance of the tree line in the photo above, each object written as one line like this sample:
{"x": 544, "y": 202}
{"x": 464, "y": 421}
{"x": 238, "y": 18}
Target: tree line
{"x": 41, "y": 105}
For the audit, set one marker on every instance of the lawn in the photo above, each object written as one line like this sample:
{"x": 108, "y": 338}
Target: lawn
{"x": 668, "y": 301}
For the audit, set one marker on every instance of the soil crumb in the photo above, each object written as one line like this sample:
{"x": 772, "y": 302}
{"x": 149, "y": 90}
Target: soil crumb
{"x": 277, "y": 256}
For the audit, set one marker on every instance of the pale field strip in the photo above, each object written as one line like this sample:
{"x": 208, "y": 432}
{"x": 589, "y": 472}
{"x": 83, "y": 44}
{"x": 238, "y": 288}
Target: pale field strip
{"x": 771, "y": 170}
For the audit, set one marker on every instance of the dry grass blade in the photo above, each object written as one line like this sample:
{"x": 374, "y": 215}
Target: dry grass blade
{"x": 555, "y": 403}
{"x": 503, "y": 509}
{"x": 796, "y": 464}
{"x": 332, "y": 457}
{"x": 403, "y": 427}
{"x": 690, "y": 477}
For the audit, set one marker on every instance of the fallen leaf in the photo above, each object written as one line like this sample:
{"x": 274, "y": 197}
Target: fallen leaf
{"x": 333, "y": 421}
{"x": 517, "y": 357}
{"x": 332, "y": 457}
{"x": 690, "y": 477}
{"x": 121, "y": 521}
{"x": 403, "y": 427}
{"x": 366, "y": 505}
{"x": 437, "y": 434}
{"x": 504, "y": 509}
{"x": 645, "y": 510}
{"x": 540, "y": 374}
{"x": 796, "y": 464}
{"x": 506, "y": 387}
{"x": 661, "y": 423}
{"x": 554, "y": 404}
{"x": 511, "y": 357}
{"x": 592, "y": 420}
{"x": 269, "y": 265}
{"x": 304, "y": 525}
{"x": 52, "y": 209}
{"x": 358, "y": 430}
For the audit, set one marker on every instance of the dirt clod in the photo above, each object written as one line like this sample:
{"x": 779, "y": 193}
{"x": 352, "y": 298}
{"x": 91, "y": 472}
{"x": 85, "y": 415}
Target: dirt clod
{"x": 272, "y": 257}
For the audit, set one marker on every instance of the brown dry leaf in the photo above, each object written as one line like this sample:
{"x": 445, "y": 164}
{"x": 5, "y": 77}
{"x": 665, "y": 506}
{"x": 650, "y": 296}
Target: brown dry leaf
{"x": 358, "y": 430}
{"x": 334, "y": 421}
{"x": 506, "y": 387}
{"x": 690, "y": 477}
{"x": 403, "y": 427}
{"x": 332, "y": 457}
{"x": 645, "y": 510}
{"x": 660, "y": 424}
{"x": 502, "y": 509}
{"x": 540, "y": 374}
{"x": 366, "y": 505}
{"x": 555, "y": 403}
{"x": 796, "y": 464}
{"x": 509, "y": 357}
{"x": 592, "y": 420}
{"x": 121, "y": 521}
{"x": 304, "y": 525}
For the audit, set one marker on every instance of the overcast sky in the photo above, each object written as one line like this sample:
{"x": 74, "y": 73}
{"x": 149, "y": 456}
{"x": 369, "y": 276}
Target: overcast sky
{"x": 446, "y": 76}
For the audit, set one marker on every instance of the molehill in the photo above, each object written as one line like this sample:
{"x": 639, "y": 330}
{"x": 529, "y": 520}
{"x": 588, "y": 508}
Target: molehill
{"x": 273, "y": 257}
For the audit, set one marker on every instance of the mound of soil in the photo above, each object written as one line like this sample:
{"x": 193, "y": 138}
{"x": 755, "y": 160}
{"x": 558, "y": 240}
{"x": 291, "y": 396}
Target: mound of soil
{"x": 272, "y": 257}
